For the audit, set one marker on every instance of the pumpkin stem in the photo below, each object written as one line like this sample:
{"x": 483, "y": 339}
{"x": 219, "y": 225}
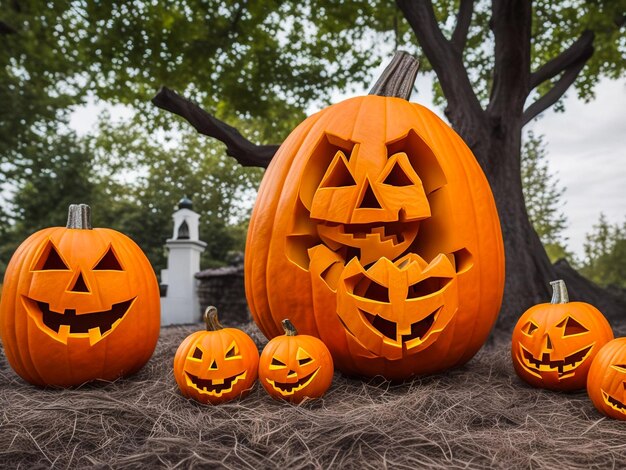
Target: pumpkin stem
{"x": 79, "y": 216}
{"x": 559, "y": 292}
{"x": 398, "y": 78}
{"x": 211, "y": 320}
{"x": 290, "y": 330}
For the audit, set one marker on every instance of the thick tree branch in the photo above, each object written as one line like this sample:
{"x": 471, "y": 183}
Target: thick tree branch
{"x": 511, "y": 22}
{"x": 6, "y": 29}
{"x": 237, "y": 146}
{"x": 559, "y": 88}
{"x": 463, "y": 21}
{"x": 464, "y": 108}
{"x": 573, "y": 54}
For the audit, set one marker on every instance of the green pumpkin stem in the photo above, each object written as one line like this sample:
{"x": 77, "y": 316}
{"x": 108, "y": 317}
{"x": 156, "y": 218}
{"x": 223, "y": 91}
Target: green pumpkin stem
{"x": 211, "y": 320}
{"x": 79, "y": 217}
{"x": 398, "y": 78}
{"x": 559, "y": 292}
{"x": 290, "y": 330}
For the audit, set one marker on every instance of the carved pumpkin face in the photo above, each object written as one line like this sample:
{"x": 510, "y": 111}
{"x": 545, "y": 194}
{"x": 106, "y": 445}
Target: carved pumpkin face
{"x": 79, "y": 304}
{"x": 376, "y": 226}
{"x": 216, "y": 365}
{"x": 554, "y": 344}
{"x": 294, "y": 367}
{"x": 606, "y": 382}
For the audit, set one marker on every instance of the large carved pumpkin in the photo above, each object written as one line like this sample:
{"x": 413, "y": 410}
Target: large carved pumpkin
{"x": 78, "y": 304}
{"x": 376, "y": 231}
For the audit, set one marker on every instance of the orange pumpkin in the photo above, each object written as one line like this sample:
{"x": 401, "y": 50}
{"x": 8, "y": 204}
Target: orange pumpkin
{"x": 78, "y": 304}
{"x": 376, "y": 231}
{"x": 606, "y": 382}
{"x": 216, "y": 365}
{"x": 554, "y": 344}
{"x": 294, "y": 367}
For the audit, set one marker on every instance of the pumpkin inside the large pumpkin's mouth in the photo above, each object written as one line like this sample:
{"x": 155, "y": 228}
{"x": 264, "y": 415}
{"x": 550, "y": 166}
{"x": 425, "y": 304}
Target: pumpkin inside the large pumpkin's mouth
{"x": 564, "y": 367}
{"x": 215, "y": 387}
{"x": 289, "y": 388}
{"x": 92, "y": 325}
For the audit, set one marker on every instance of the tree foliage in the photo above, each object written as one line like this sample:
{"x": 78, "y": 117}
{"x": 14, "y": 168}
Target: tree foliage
{"x": 543, "y": 196}
{"x": 605, "y": 254}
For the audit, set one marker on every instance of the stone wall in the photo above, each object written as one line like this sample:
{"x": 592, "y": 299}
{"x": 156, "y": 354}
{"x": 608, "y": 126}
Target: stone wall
{"x": 224, "y": 288}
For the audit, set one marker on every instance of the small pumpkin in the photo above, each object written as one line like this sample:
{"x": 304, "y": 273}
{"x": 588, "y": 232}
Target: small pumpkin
{"x": 376, "y": 187}
{"x": 216, "y": 365}
{"x": 606, "y": 382}
{"x": 554, "y": 344}
{"x": 294, "y": 367}
{"x": 78, "y": 304}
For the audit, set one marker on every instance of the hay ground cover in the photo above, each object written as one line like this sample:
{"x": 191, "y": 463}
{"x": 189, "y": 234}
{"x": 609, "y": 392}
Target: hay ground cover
{"x": 477, "y": 416}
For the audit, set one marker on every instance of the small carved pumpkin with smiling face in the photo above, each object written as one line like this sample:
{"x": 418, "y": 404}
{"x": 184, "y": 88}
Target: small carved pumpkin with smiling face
{"x": 606, "y": 382}
{"x": 294, "y": 367}
{"x": 78, "y": 304}
{"x": 554, "y": 344}
{"x": 216, "y": 365}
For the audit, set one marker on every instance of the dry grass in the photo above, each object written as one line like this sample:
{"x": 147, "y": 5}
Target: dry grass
{"x": 477, "y": 416}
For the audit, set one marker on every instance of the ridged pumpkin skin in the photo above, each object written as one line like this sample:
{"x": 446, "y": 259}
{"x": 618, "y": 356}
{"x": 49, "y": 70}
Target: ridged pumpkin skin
{"x": 294, "y": 367}
{"x": 217, "y": 365}
{"x": 553, "y": 345}
{"x": 106, "y": 281}
{"x": 375, "y": 230}
{"x": 606, "y": 381}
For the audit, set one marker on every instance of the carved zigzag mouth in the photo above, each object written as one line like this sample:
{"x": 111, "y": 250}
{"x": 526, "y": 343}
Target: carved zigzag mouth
{"x": 613, "y": 402}
{"x": 419, "y": 330}
{"x": 395, "y": 232}
{"x": 215, "y": 387}
{"x": 564, "y": 367}
{"x": 92, "y": 325}
{"x": 287, "y": 388}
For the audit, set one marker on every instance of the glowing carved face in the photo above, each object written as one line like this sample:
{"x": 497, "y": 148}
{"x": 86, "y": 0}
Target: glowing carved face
{"x": 78, "y": 295}
{"x": 554, "y": 344}
{"x": 217, "y": 365}
{"x": 295, "y": 367}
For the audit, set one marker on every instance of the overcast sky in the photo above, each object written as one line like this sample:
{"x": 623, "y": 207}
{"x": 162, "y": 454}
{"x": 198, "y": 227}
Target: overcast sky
{"x": 586, "y": 148}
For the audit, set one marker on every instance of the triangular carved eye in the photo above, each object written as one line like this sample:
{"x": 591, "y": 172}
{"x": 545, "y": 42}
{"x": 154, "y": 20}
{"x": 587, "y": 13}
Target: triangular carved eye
{"x": 303, "y": 357}
{"x": 397, "y": 176}
{"x": 277, "y": 364}
{"x": 233, "y": 352}
{"x": 50, "y": 260}
{"x": 572, "y": 327}
{"x": 529, "y": 328}
{"x": 338, "y": 174}
{"x": 620, "y": 368}
{"x": 108, "y": 262}
{"x": 197, "y": 354}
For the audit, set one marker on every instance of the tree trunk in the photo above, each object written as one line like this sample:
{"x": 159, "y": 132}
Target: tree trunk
{"x": 528, "y": 269}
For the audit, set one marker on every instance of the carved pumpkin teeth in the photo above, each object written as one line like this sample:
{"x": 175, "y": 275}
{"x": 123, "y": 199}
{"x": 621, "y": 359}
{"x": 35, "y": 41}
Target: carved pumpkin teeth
{"x": 287, "y": 388}
{"x": 216, "y": 386}
{"x": 614, "y": 402}
{"x": 93, "y": 325}
{"x": 562, "y": 366}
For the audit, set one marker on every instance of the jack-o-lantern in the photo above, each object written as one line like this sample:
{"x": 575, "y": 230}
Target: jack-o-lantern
{"x": 78, "y": 304}
{"x": 216, "y": 365}
{"x": 376, "y": 231}
{"x": 294, "y": 367}
{"x": 554, "y": 344}
{"x": 606, "y": 381}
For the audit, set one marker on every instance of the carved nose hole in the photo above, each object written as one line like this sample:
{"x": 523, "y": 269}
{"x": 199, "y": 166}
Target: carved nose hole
{"x": 213, "y": 365}
{"x": 79, "y": 284}
{"x": 291, "y": 372}
{"x": 548, "y": 342}
{"x": 369, "y": 200}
